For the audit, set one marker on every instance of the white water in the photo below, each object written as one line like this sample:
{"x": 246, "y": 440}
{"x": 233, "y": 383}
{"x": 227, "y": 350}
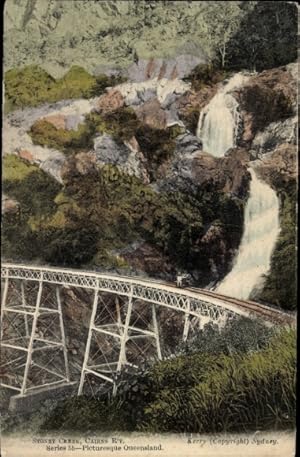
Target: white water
{"x": 258, "y": 241}
{"x": 219, "y": 120}
{"x": 217, "y": 129}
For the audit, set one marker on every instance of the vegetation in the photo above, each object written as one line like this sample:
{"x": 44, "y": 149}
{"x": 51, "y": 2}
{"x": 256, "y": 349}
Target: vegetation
{"x": 68, "y": 141}
{"x": 283, "y": 261}
{"x": 16, "y": 169}
{"x": 95, "y": 215}
{"x": 122, "y": 124}
{"x": 35, "y": 191}
{"x": 266, "y": 36}
{"x": 206, "y": 75}
{"x": 32, "y": 86}
{"x": 207, "y": 391}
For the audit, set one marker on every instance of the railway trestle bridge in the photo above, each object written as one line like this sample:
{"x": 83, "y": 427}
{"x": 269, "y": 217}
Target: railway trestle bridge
{"x": 129, "y": 322}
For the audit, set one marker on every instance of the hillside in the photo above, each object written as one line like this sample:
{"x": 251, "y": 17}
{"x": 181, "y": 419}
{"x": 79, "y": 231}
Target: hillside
{"x": 101, "y": 36}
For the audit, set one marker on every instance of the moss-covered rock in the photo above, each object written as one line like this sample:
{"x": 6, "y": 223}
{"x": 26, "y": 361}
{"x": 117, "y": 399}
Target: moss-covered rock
{"x": 44, "y": 133}
{"x": 32, "y": 86}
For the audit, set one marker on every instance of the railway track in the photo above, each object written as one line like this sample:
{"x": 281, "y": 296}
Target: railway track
{"x": 267, "y": 312}
{"x": 274, "y": 314}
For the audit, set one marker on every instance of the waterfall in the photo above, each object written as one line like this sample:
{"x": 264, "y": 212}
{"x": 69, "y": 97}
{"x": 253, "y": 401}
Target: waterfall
{"x": 261, "y": 228}
{"x": 219, "y": 120}
{"x": 218, "y": 128}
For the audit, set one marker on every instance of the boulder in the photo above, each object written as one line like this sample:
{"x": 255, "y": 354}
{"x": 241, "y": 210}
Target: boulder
{"x": 109, "y": 101}
{"x": 268, "y": 104}
{"x": 9, "y": 205}
{"x": 58, "y": 120}
{"x": 152, "y": 114}
{"x": 126, "y": 156}
{"x": 191, "y": 168}
{"x": 279, "y": 167}
{"x": 275, "y": 134}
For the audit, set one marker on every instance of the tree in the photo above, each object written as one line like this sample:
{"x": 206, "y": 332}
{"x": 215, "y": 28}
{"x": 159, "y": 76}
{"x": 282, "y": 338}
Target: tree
{"x": 221, "y": 21}
{"x": 266, "y": 38}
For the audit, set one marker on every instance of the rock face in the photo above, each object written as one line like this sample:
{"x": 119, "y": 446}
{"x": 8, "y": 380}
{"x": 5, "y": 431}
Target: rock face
{"x": 268, "y": 108}
{"x": 9, "y": 205}
{"x": 165, "y": 90}
{"x": 151, "y": 113}
{"x": 146, "y": 258}
{"x": 66, "y": 114}
{"x": 191, "y": 168}
{"x": 97, "y": 35}
{"x": 58, "y": 120}
{"x": 177, "y": 67}
{"x": 110, "y": 101}
{"x": 190, "y": 105}
{"x": 275, "y": 134}
{"x": 127, "y": 157}
{"x": 279, "y": 167}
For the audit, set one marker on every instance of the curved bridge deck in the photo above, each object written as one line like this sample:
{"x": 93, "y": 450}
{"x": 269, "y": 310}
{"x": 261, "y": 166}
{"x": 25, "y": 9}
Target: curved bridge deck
{"x": 162, "y": 293}
{"x": 126, "y": 325}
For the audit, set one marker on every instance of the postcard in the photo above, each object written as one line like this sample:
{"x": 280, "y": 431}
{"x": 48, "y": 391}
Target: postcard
{"x": 149, "y": 194}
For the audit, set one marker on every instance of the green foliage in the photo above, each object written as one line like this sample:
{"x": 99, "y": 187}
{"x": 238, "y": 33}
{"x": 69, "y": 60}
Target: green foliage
{"x": 106, "y": 209}
{"x": 123, "y": 209}
{"x": 239, "y": 336}
{"x": 121, "y": 123}
{"x": 283, "y": 261}
{"x": 46, "y": 134}
{"x": 76, "y": 83}
{"x": 222, "y": 393}
{"x": 266, "y": 37}
{"x": 15, "y": 169}
{"x": 206, "y": 75}
{"x": 35, "y": 191}
{"x": 32, "y": 86}
{"x": 68, "y": 246}
{"x": 157, "y": 145}
{"x": 83, "y": 413}
{"x": 104, "y": 81}
{"x": 27, "y": 87}
{"x": 205, "y": 392}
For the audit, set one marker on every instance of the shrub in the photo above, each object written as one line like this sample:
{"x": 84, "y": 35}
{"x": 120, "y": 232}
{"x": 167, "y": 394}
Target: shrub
{"x": 27, "y": 86}
{"x": 205, "y": 75}
{"x": 35, "y": 192}
{"x": 46, "y": 134}
{"x": 16, "y": 169}
{"x": 157, "y": 145}
{"x": 205, "y": 392}
{"x": 32, "y": 86}
{"x": 103, "y": 81}
{"x": 211, "y": 394}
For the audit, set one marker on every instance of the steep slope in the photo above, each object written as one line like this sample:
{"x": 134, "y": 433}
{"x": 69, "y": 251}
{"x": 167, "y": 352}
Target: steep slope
{"x": 103, "y": 35}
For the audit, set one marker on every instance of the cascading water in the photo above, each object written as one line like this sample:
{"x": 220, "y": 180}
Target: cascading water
{"x": 261, "y": 222}
{"x": 219, "y": 120}
{"x": 217, "y": 128}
